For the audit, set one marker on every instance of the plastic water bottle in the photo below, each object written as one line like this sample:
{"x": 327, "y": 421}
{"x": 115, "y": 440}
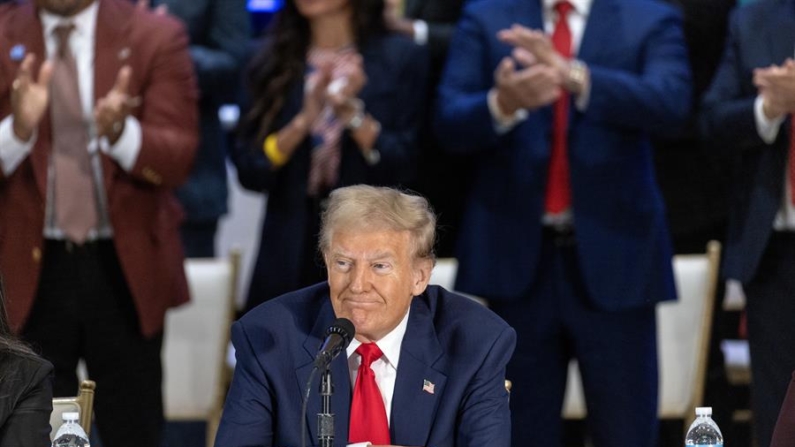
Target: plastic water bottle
{"x": 704, "y": 431}
{"x": 70, "y": 434}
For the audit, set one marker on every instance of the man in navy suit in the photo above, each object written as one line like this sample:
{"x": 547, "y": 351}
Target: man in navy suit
{"x": 748, "y": 111}
{"x": 440, "y": 368}
{"x": 565, "y": 229}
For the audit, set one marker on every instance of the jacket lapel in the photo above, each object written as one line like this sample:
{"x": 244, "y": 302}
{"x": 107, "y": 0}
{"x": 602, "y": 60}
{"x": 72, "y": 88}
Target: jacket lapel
{"x": 781, "y": 32}
{"x": 419, "y": 386}
{"x": 602, "y": 26}
{"x": 341, "y": 399}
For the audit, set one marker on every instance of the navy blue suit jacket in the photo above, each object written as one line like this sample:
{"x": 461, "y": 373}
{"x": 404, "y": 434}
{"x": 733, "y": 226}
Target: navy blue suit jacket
{"x": 640, "y": 85}
{"x": 760, "y": 34}
{"x": 394, "y": 94}
{"x": 451, "y": 341}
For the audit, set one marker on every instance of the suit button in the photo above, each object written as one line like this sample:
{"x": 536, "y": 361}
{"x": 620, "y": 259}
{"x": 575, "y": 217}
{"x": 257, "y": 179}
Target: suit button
{"x": 36, "y": 254}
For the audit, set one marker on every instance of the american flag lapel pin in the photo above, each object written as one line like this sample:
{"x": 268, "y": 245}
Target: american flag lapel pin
{"x": 428, "y": 386}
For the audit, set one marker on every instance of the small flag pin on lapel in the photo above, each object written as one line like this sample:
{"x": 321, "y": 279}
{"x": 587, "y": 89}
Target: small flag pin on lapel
{"x": 17, "y": 52}
{"x": 428, "y": 386}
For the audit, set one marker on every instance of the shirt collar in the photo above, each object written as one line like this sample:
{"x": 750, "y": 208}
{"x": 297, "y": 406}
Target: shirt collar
{"x": 84, "y": 21}
{"x": 389, "y": 345}
{"x": 582, "y": 7}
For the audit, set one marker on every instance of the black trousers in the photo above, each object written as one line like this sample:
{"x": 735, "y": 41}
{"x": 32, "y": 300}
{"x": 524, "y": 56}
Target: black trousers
{"x": 84, "y": 309}
{"x": 770, "y": 300}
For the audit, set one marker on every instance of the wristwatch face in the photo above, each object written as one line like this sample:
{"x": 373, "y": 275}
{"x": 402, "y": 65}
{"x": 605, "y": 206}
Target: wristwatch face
{"x": 575, "y": 77}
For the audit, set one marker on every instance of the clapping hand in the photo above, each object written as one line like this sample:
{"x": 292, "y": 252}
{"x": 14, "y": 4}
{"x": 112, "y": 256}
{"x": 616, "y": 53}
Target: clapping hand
{"x": 112, "y": 110}
{"x": 29, "y": 97}
{"x": 776, "y": 84}
{"x": 343, "y": 91}
{"x": 535, "y": 43}
{"x": 315, "y": 86}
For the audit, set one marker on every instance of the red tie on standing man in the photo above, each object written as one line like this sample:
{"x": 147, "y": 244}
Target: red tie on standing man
{"x": 558, "y": 194}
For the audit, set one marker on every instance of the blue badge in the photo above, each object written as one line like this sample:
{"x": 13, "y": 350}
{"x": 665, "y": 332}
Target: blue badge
{"x": 17, "y": 52}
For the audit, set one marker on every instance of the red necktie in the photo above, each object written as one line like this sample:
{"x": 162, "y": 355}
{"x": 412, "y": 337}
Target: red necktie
{"x": 558, "y": 197}
{"x": 75, "y": 204}
{"x": 791, "y": 163}
{"x": 368, "y": 416}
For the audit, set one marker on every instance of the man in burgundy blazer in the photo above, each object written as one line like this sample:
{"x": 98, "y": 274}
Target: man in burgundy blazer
{"x": 103, "y": 300}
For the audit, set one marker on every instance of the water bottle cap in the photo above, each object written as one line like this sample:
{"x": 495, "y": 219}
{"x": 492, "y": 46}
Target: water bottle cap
{"x": 70, "y": 416}
{"x": 703, "y": 411}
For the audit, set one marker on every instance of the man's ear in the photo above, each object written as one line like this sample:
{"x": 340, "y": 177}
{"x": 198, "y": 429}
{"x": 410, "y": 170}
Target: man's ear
{"x": 422, "y": 275}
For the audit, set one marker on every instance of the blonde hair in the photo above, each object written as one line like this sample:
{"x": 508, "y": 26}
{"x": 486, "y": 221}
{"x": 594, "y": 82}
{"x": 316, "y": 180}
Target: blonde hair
{"x": 368, "y": 208}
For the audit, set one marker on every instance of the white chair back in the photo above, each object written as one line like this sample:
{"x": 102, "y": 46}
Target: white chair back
{"x": 196, "y": 338}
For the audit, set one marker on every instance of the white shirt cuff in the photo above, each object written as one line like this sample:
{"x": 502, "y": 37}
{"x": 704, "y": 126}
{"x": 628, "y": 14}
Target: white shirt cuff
{"x": 420, "y": 32}
{"x": 767, "y": 128}
{"x": 359, "y": 444}
{"x": 127, "y": 147}
{"x": 12, "y": 149}
{"x": 503, "y": 123}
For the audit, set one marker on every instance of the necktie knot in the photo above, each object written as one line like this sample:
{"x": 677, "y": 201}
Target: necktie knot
{"x": 370, "y": 352}
{"x": 62, "y": 33}
{"x": 563, "y": 9}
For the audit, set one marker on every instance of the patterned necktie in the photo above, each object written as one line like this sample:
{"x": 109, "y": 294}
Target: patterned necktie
{"x": 558, "y": 193}
{"x": 75, "y": 204}
{"x": 368, "y": 417}
{"x": 791, "y": 162}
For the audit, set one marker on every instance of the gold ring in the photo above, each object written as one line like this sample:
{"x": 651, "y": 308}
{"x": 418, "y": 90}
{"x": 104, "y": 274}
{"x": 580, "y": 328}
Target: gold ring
{"x": 15, "y": 84}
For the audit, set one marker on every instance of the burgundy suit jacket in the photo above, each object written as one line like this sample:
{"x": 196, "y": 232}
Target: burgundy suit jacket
{"x": 143, "y": 210}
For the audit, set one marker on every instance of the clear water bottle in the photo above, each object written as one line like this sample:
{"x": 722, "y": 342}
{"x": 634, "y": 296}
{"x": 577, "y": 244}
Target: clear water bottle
{"x": 704, "y": 431}
{"x": 71, "y": 434}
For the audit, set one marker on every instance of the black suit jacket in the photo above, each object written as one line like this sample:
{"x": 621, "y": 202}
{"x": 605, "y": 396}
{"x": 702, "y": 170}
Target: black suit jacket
{"x": 25, "y": 400}
{"x": 219, "y": 32}
{"x": 760, "y": 34}
{"x": 441, "y": 16}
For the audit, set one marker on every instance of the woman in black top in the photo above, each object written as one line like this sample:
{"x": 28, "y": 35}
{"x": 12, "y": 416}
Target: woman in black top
{"x": 25, "y": 390}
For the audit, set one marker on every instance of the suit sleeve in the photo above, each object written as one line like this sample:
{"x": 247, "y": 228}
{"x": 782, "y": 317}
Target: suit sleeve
{"x": 29, "y": 424}
{"x": 397, "y": 142}
{"x": 655, "y": 99}
{"x": 485, "y": 418}
{"x": 463, "y": 121}
{"x": 169, "y": 113}
{"x": 218, "y": 60}
{"x": 248, "y": 417}
{"x": 728, "y": 105}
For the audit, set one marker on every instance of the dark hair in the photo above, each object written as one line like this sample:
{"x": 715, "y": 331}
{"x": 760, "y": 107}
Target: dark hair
{"x": 8, "y": 343}
{"x": 282, "y": 61}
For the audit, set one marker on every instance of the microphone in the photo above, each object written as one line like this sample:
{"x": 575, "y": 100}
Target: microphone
{"x": 338, "y": 337}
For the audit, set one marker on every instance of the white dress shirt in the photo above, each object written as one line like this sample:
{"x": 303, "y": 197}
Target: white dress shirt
{"x": 768, "y": 131}
{"x": 385, "y": 368}
{"x": 81, "y": 42}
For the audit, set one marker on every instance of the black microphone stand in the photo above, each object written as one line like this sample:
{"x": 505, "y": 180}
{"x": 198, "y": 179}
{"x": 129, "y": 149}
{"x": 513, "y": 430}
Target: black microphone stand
{"x": 325, "y": 419}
